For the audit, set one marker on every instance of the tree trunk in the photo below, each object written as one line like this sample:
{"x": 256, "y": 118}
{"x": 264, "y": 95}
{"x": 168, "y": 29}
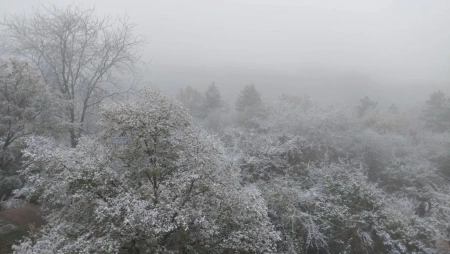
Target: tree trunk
{"x": 73, "y": 132}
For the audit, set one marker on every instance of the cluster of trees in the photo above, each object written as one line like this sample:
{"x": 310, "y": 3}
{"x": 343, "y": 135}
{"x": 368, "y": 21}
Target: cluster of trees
{"x": 210, "y": 109}
{"x": 25, "y": 109}
{"x": 65, "y": 64}
{"x": 336, "y": 184}
{"x": 143, "y": 174}
{"x": 202, "y": 105}
{"x": 367, "y": 181}
{"x": 149, "y": 182}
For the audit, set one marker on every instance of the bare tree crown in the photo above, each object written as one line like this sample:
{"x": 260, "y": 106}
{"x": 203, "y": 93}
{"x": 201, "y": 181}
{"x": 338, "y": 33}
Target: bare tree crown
{"x": 78, "y": 53}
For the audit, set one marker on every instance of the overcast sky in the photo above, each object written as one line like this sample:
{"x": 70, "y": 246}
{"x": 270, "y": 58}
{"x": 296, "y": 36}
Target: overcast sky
{"x": 284, "y": 44}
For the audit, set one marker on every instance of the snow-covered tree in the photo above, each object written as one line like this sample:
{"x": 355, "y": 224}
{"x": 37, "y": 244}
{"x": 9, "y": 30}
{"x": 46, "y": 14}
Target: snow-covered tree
{"x": 437, "y": 113}
{"x": 365, "y": 106}
{"x": 393, "y": 109}
{"x": 25, "y": 107}
{"x": 333, "y": 208}
{"x": 250, "y": 109}
{"x": 79, "y": 54}
{"x": 334, "y": 184}
{"x": 249, "y": 97}
{"x": 150, "y": 182}
{"x": 212, "y": 100}
{"x": 192, "y": 99}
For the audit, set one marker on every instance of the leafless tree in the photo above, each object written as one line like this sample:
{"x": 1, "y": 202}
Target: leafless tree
{"x": 80, "y": 55}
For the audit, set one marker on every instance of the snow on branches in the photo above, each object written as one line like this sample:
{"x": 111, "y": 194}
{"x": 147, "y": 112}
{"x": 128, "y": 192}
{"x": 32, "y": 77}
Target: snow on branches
{"x": 163, "y": 189}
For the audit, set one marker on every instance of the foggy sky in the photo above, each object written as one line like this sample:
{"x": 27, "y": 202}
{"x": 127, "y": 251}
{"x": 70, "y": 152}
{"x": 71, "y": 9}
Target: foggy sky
{"x": 288, "y": 45}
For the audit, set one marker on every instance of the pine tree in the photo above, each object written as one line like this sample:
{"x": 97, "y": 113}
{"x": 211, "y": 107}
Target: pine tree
{"x": 191, "y": 99}
{"x": 393, "y": 109}
{"x": 365, "y": 105}
{"x": 249, "y": 97}
{"x": 212, "y": 100}
{"x": 250, "y": 108}
{"x": 437, "y": 113}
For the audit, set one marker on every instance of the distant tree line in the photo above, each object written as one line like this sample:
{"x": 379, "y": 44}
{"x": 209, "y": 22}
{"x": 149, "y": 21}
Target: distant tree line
{"x": 144, "y": 173}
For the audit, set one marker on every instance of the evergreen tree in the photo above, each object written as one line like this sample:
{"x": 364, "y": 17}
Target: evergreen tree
{"x": 250, "y": 108}
{"x": 437, "y": 113}
{"x": 212, "y": 100}
{"x": 393, "y": 109}
{"x": 249, "y": 97}
{"x": 192, "y": 100}
{"x": 365, "y": 105}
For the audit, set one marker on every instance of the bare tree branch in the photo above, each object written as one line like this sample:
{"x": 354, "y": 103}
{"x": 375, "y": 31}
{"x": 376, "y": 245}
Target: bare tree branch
{"x": 77, "y": 53}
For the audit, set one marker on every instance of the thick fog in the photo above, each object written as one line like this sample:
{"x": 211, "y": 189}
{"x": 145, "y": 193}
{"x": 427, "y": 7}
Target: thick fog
{"x": 209, "y": 126}
{"x": 330, "y": 50}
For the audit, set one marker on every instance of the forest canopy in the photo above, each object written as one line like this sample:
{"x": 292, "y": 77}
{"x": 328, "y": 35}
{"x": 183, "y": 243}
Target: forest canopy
{"x": 115, "y": 169}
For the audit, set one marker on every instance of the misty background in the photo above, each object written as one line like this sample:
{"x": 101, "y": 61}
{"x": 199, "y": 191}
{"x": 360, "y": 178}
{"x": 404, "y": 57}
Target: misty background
{"x": 333, "y": 51}
{"x": 290, "y": 126}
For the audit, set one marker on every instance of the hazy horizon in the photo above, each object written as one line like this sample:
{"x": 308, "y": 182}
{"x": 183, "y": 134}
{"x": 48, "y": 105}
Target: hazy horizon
{"x": 315, "y": 48}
